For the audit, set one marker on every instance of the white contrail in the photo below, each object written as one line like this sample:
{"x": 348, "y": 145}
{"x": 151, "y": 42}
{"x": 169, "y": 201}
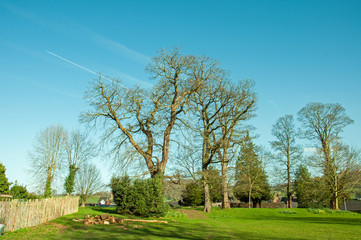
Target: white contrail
{"x": 84, "y": 68}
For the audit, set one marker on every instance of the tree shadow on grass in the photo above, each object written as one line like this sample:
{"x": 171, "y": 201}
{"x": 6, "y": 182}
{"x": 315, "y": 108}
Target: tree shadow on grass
{"x": 110, "y": 210}
{"x": 156, "y": 231}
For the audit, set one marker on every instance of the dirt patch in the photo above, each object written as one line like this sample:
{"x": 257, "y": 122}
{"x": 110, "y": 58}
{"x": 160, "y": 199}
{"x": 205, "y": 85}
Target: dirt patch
{"x": 58, "y": 226}
{"x": 192, "y": 214}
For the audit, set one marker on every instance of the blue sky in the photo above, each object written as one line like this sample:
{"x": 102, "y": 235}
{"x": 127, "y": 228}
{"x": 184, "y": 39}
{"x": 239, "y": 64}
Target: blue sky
{"x": 296, "y": 51}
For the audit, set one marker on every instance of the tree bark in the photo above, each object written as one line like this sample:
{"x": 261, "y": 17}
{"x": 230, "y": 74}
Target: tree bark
{"x": 249, "y": 197}
{"x": 225, "y": 200}
{"x": 49, "y": 179}
{"x": 207, "y": 197}
{"x": 289, "y": 194}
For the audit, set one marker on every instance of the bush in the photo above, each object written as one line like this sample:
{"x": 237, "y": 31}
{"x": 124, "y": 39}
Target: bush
{"x": 140, "y": 197}
{"x": 19, "y": 192}
{"x": 327, "y": 210}
{"x": 193, "y": 195}
{"x": 287, "y": 211}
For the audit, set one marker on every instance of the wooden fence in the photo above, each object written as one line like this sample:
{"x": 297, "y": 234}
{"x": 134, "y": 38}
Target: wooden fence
{"x": 16, "y": 214}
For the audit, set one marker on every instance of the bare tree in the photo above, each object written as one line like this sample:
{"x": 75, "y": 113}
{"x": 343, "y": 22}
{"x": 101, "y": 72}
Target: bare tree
{"x": 288, "y": 151}
{"x": 189, "y": 154}
{"x": 347, "y": 168}
{"x": 88, "y": 182}
{"x": 79, "y": 149}
{"x": 48, "y": 155}
{"x": 145, "y": 118}
{"x": 220, "y": 107}
{"x": 241, "y": 104}
{"x": 206, "y": 107}
{"x": 324, "y": 123}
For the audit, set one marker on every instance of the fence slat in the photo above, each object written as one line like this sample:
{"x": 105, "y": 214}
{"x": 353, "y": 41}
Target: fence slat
{"x": 16, "y": 214}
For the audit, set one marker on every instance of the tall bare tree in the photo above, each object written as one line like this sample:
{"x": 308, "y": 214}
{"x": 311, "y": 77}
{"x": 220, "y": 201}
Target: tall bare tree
{"x": 79, "y": 149}
{"x": 241, "y": 104}
{"x": 145, "y": 119}
{"x": 87, "y": 182}
{"x": 288, "y": 151}
{"x": 324, "y": 123}
{"x": 48, "y": 155}
{"x": 220, "y": 107}
{"x": 206, "y": 106}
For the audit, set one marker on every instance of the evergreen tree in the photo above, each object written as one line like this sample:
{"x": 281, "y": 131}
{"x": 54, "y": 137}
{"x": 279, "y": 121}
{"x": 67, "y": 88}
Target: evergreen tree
{"x": 310, "y": 192}
{"x": 70, "y": 179}
{"x": 139, "y": 197}
{"x": 251, "y": 179}
{"x": 302, "y": 184}
{"x": 193, "y": 194}
{"x": 4, "y": 184}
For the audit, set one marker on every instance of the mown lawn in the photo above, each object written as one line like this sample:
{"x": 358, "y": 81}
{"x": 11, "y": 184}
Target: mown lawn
{"x": 220, "y": 224}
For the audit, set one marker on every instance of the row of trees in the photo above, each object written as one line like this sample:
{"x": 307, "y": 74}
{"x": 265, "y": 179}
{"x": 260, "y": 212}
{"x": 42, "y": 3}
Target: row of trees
{"x": 338, "y": 163}
{"x": 194, "y": 104}
{"x": 57, "y": 152}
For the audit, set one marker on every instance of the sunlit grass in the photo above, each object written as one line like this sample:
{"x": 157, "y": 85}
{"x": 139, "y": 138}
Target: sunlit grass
{"x": 220, "y": 224}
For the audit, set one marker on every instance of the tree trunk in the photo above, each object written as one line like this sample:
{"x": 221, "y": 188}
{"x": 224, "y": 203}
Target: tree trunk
{"x": 289, "y": 194}
{"x": 330, "y": 175}
{"x": 47, "y": 192}
{"x": 289, "y": 202}
{"x": 336, "y": 202}
{"x": 205, "y": 163}
{"x": 207, "y": 197}
{"x": 225, "y": 200}
{"x": 249, "y": 197}
{"x": 332, "y": 203}
{"x": 254, "y": 203}
{"x": 336, "y": 191}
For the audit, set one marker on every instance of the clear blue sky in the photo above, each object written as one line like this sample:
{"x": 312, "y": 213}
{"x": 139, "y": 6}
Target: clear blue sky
{"x": 296, "y": 52}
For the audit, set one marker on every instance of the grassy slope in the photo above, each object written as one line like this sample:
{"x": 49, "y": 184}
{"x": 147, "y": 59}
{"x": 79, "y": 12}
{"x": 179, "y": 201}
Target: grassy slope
{"x": 220, "y": 224}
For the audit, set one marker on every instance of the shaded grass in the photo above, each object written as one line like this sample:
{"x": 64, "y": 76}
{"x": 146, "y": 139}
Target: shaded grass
{"x": 220, "y": 224}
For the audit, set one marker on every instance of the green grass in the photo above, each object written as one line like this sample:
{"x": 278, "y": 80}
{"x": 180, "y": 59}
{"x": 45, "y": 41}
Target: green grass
{"x": 92, "y": 199}
{"x": 220, "y": 224}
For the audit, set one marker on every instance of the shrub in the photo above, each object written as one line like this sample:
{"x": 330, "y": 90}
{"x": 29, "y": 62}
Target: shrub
{"x": 287, "y": 212}
{"x": 140, "y": 197}
{"x": 19, "y": 192}
{"x": 193, "y": 195}
{"x": 325, "y": 210}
